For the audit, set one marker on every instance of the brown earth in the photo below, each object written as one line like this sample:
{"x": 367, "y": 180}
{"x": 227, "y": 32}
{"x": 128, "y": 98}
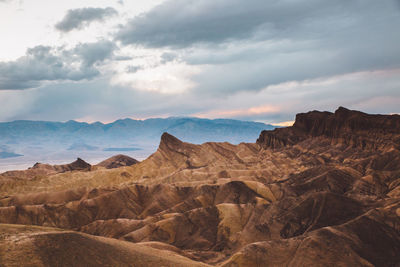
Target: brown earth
{"x": 117, "y": 161}
{"x": 324, "y": 192}
{"x": 22, "y": 245}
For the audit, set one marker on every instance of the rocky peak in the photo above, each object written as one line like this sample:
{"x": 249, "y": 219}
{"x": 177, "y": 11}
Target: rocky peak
{"x": 117, "y": 161}
{"x": 41, "y": 166}
{"x": 345, "y": 126}
{"x": 79, "y": 164}
{"x": 330, "y": 124}
{"x": 169, "y": 142}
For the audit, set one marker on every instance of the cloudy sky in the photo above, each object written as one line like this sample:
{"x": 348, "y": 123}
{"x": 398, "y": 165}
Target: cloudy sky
{"x": 262, "y": 60}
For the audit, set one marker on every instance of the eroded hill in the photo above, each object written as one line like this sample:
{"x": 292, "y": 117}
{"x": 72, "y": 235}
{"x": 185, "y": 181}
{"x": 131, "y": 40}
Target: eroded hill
{"x": 323, "y": 192}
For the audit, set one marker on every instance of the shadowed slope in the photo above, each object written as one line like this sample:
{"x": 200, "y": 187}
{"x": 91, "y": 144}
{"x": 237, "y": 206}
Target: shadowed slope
{"x": 38, "y": 246}
{"x": 368, "y": 240}
{"x": 348, "y": 127}
{"x": 117, "y": 161}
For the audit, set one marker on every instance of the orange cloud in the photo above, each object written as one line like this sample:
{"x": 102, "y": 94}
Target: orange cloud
{"x": 238, "y": 112}
{"x": 284, "y": 123}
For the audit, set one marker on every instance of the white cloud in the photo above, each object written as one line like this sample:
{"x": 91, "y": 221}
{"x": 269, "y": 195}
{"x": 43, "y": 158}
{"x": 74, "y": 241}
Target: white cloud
{"x": 82, "y": 17}
{"x": 169, "y": 78}
{"x": 25, "y": 24}
{"x": 44, "y": 63}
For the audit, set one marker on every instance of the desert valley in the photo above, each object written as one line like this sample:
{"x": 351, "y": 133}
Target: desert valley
{"x": 323, "y": 192}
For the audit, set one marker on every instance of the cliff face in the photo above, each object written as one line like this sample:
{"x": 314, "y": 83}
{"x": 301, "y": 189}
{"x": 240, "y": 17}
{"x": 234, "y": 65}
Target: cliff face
{"x": 346, "y": 127}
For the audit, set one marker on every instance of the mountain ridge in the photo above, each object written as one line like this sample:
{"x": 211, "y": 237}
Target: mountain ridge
{"x": 317, "y": 199}
{"x": 353, "y": 128}
{"x": 18, "y": 128}
{"x": 69, "y": 122}
{"x": 62, "y": 142}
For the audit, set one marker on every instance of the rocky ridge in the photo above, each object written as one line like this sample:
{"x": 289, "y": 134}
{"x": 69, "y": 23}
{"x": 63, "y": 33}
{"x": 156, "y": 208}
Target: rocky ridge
{"x": 344, "y": 126}
{"x": 117, "y": 161}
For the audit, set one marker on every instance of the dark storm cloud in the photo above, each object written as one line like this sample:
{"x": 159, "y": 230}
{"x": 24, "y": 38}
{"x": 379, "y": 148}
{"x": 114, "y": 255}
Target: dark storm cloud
{"x": 248, "y": 45}
{"x": 81, "y": 17}
{"x": 91, "y": 53}
{"x": 181, "y": 23}
{"x": 255, "y": 66}
{"x": 44, "y": 63}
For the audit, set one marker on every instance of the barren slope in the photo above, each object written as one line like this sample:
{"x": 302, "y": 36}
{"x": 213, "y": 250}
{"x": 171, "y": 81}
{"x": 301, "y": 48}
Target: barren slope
{"x": 41, "y": 246}
{"x": 323, "y": 192}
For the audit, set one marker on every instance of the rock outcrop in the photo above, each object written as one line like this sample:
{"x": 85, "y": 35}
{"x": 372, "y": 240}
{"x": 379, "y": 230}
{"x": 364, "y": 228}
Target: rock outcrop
{"x": 347, "y": 127}
{"x": 117, "y": 161}
{"x": 41, "y": 170}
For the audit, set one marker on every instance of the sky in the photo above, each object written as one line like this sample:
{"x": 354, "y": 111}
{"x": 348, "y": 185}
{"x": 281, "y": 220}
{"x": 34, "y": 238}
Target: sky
{"x": 261, "y": 60}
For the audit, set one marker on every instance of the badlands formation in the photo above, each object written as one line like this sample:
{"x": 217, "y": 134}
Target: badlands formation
{"x": 324, "y": 192}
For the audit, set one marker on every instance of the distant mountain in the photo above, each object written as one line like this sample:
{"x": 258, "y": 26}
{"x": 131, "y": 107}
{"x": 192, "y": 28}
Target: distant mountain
{"x": 117, "y": 161}
{"x": 193, "y": 130}
{"x": 59, "y": 142}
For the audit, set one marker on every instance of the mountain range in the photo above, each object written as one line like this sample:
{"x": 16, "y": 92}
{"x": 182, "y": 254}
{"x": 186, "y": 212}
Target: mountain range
{"x": 193, "y": 130}
{"x": 26, "y": 142}
{"x": 324, "y": 192}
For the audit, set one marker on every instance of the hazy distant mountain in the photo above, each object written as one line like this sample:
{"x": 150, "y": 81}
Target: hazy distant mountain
{"x": 189, "y": 129}
{"x": 63, "y": 141}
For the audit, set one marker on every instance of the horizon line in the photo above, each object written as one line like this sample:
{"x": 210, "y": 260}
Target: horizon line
{"x": 281, "y": 124}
